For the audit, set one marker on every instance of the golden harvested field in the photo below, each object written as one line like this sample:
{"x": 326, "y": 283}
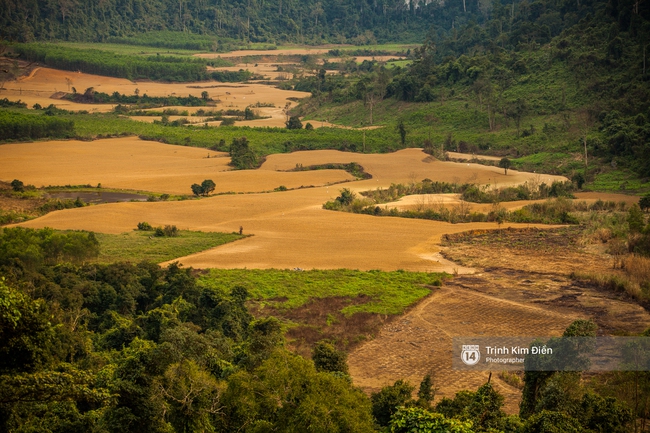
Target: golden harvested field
{"x": 404, "y": 166}
{"x": 291, "y": 229}
{"x": 42, "y": 83}
{"x": 131, "y": 163}
{"x": 433, "y": 201}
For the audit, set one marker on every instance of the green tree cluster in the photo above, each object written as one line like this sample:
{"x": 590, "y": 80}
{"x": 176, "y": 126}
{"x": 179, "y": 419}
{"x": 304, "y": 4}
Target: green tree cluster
{"x": 204, "y": 189}
{"x": 241, "y": 155}
{"x": 18, "y": 126}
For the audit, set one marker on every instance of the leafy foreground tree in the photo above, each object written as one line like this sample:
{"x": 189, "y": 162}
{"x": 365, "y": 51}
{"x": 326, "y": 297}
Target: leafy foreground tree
{"x": 415, "y": 419}
{"x": 134, "y": 348}
{"x": 327, "y": 358}
{"x": 286, "y": 393}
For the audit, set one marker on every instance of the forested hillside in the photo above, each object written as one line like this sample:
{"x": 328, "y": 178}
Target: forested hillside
{"x": 305, "y": 21}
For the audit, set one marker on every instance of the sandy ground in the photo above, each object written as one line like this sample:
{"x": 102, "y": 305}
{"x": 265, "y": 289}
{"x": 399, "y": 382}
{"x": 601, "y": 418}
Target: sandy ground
{"x": 131, "y": 163}
{"x": 469, "y": 156}
{"x": 42, "y": 83}
{"x": 404, "y": 166}
{"x": 433, "y": 201}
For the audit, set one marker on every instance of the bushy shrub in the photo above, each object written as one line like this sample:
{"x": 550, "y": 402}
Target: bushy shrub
{"x": 145, "y": 226}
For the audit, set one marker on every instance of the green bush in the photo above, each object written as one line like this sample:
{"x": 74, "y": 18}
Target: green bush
{"x": 145, "y": 226}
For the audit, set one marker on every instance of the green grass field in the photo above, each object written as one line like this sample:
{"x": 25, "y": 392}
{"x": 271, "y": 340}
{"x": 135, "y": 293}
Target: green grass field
{"x": 136, "y": 50}
{"x": 137, "y": 246}
{"x": 387, "y": 292}
{"x": 263, "y": 140}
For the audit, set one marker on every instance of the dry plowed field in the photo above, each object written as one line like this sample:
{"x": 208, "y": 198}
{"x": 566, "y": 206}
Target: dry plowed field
{"x": 522, "y": 287}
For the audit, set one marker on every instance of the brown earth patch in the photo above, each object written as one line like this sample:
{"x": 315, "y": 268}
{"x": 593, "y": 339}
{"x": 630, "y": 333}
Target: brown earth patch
{"x": 522, "y": 287}
{"x": 321, "y": 318}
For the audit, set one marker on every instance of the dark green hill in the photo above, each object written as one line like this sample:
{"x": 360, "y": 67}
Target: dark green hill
{"x": 203, "y": 24}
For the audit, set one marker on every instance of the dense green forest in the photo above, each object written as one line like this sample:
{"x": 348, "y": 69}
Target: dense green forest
{"x": 307, "y": 21}
{"x": 540, "y": 81}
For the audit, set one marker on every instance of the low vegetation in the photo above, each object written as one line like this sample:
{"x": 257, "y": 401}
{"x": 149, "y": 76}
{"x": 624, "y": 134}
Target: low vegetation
{"x": 384, "y": 292}
{"x": 553, "y": 211}
{"x": 99, "y": 62}
{"x": 17, "y": 126}
{"x": 145, "y": 244}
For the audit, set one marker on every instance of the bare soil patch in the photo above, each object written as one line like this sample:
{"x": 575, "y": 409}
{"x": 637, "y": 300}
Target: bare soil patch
{"x": 321, "y": 318}
{"x": 522, "y": 287}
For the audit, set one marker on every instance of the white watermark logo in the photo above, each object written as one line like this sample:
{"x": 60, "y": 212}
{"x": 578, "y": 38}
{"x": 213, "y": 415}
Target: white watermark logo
{"x": 471, "y": 354}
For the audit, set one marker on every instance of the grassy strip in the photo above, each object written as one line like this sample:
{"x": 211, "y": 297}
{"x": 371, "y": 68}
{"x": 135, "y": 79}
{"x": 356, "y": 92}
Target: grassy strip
{"x": 138, "y": 246}
{"x": 353, "y": 168}
{"x": 263, "y": 141}
{"x": 389, "y": 292}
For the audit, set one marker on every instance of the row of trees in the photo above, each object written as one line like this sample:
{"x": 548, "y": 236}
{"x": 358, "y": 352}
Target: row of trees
{"x": 162, "y": 68}
{"x": 17, "y": 126}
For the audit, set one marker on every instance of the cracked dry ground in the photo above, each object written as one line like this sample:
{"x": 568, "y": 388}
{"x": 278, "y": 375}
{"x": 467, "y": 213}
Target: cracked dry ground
{"x": 522, "y": 287}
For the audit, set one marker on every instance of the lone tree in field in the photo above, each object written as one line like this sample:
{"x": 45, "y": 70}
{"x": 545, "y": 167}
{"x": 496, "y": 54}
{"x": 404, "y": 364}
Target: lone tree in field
{"x": 294, "y": 123}
{"x": 505, "y": 164}
{"x": 17, "y": 185}
{"x": 206, "y": 187}
{"x": 401, "y": 129}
